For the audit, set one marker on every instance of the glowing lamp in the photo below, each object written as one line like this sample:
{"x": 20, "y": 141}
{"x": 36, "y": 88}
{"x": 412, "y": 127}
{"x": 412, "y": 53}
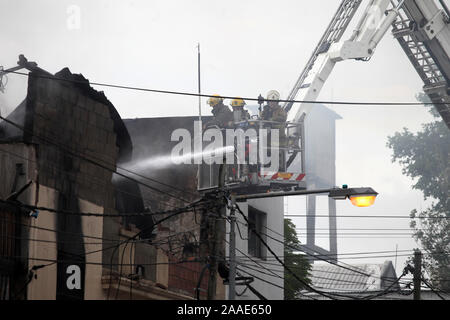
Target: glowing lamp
{"x": 362, "y": 201}
{"x": 360, "y": 197}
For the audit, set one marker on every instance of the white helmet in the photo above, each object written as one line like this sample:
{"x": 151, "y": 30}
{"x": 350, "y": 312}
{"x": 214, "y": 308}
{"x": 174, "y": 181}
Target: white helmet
{"x": 273, "y": 95}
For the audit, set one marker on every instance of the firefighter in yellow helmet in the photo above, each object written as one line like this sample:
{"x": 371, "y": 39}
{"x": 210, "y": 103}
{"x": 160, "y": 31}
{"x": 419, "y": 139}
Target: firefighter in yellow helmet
{"x": 273, "y": 112}
{"x": 222, "y": 114}
{"x": 239, "y": 113}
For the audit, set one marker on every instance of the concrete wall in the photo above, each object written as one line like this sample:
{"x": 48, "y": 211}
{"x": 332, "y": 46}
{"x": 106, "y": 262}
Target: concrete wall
{"x": 43, "y": 246}
{"x": 255, "y": 266}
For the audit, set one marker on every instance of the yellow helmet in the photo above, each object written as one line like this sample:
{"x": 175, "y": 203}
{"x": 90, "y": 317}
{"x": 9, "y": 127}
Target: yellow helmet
{"x": 238, "y": 102}
{"x": 214, "y": 100}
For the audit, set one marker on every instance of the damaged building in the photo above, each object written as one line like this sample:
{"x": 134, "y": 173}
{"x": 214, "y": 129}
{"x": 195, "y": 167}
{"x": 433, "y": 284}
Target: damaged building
{"x": 93, "y": 208}
{"x": 73, "y": 225}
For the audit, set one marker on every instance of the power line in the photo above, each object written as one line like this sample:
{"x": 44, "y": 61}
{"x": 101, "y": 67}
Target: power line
{"x": 101, "y": 263}
{"x": 85, "y": 158}
{"x": 159, "y": 242}
{"x": 95, "y": 214}
{"x": 306, "y": 285}
{"x": 432, "y": 289}
{"x": 359, "y": 229}
{"x": 362, "y": 103}
{"x": 46, "y": 167}
{"x": 259, "y": 263}
{"x": 321, "y": 254}
{"x": 366, "y": 216}
{"x": 350, "y": 268}
{"x": 348, "y": 282}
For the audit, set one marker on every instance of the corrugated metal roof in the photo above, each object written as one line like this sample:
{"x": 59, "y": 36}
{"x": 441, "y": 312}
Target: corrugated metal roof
{"x": 366, "y": 277}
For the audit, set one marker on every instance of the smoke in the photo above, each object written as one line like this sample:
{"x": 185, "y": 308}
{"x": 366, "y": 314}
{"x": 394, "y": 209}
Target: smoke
{"x": 15, "y": 91}
{"x": 169, "y": 161}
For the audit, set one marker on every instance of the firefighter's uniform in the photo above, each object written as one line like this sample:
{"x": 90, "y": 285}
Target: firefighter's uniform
{"x": 239, "y": 113}
{"x": 273, "y": 112}
{"x": 222, "y": 114}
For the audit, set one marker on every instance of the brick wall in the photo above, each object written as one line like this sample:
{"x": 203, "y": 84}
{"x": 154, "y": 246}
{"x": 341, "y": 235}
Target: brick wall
{"x": 65, "y": 120}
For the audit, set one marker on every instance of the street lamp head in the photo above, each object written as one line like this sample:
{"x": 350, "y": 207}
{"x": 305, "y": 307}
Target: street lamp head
{"x": 362, "y": 201}
{"x": 360, "y": 197}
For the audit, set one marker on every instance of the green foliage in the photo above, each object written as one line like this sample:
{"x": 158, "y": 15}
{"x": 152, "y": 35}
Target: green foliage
{"x": 425, "y": 157}
{"x": 296, "y": 262}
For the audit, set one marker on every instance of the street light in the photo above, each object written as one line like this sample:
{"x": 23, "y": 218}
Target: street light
{"x": 360, "y": 197}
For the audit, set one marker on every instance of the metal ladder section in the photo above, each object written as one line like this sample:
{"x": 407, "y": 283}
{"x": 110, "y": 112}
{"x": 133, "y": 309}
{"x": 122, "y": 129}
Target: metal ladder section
{"x": 404, "y": 30}
{"x": 333, "y": 34}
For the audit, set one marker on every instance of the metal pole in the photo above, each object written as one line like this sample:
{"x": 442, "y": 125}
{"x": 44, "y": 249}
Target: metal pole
{"x": 447, "y": 11}
{"x": 232, "y": 275}
{"x": 199, "y": 87}
{"x": 217, "y": 241}
{"x": 280, "y": 194}
{"x": 417, "y": 274}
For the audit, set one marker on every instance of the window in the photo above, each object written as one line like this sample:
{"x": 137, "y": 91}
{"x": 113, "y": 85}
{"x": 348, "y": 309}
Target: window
{"x": 257, "y": 222}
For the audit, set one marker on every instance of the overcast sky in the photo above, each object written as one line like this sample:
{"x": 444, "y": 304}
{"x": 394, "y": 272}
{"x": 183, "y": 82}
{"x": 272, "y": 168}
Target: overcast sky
{"x": 248, "y": 48}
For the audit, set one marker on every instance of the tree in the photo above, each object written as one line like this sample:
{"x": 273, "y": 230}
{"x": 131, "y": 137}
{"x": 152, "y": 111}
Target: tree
{"x": 294, "y": 261}
{"x": 425, "y": 157}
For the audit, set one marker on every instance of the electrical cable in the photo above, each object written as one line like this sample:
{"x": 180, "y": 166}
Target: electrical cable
{"x": 49, "y": 167}
{"x": 354, "y": 253}
{"x": 263, "y": 280}
{"x": 259, "y": 263}
{"x": 137, "y": 235}
{"x": 85, "y": 158}
{"x": 197, "y": 288}
{"x": 386, "y": 291}
{"x": 366, "y": 216}
{"x": 282, "y": 263}
{"x": 351, "y": 268}
{"x": 365, "y": 103}
{"x": 432, "y": 289}
{"x": 30, "y": 277}
{"x": 320, "y": 258}
{"x": 87, "y": 214}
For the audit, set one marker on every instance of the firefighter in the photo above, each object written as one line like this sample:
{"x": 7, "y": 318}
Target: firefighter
{"x": 273, "y": 112}
{"x": 239, "y": 113}
{"x": 240, "y": 118}
{"x": 222, "y": 114}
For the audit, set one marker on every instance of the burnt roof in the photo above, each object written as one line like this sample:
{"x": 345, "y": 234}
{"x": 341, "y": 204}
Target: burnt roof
{"x": 10, "y": 133}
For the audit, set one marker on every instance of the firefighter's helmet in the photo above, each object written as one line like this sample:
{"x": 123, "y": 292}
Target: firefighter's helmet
{"x": 273, "y": 95}
{"x": 214, "y": 100}
{"x": 238, "y": 102}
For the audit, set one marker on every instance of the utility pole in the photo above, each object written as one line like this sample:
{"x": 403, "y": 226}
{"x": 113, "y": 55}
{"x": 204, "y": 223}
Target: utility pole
{"x": 417, "y": 276}
{"x": 217, "y": 225}
{"x": 216, "y": 240}
{"x": 232, "y": 274}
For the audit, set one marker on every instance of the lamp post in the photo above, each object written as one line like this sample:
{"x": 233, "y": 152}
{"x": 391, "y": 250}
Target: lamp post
{"x": 360, "y": 197}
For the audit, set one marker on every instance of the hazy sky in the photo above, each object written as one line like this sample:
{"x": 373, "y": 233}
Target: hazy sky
{"x": 248, "y": 48}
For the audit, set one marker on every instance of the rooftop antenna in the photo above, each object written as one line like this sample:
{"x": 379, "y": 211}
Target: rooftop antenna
{"x": 199, "y": 87}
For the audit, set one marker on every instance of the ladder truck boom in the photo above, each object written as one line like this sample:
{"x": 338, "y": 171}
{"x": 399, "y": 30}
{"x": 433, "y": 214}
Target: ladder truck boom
{"x": 422, "y": 29}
